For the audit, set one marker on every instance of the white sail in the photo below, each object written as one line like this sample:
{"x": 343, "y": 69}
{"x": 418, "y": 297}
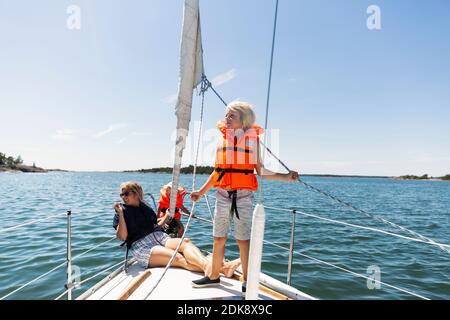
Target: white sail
{"x": 191, "y": 71}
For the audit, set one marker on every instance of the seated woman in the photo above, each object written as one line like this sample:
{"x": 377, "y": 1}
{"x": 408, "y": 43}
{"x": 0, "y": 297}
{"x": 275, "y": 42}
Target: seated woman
{"x": 135, "y": 223}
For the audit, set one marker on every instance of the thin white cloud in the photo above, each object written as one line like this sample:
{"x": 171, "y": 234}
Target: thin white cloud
{"x": 224, "y": 78}
{"x": 64, "y": 135}
{"x": 110, "y": 129}
{"x": 121, "y": 141}
{"x": 170, "y": 99}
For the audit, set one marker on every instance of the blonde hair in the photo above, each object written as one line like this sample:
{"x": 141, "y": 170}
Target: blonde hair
{"x": 246, "y": 112}
{"x": 133, "y": 186}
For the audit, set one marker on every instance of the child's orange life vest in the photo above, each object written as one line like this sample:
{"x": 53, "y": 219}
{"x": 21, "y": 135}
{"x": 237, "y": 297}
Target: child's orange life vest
{"x": 164, "y": 201}
{"x": 236, "y": 159}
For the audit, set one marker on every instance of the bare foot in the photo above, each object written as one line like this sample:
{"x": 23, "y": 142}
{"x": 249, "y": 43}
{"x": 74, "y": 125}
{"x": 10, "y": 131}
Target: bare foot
{"x": 229, "y": 267}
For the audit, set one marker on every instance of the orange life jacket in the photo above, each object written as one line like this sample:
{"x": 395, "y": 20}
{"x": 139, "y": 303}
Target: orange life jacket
{"x": 164, "y": 201}
{"x": 236, "y": 159}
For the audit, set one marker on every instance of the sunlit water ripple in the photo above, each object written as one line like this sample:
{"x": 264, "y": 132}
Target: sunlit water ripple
{"x": 423, "y": 206}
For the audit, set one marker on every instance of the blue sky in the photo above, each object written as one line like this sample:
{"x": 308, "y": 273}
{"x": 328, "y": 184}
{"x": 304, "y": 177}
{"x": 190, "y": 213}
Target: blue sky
{"x": 345, "y": 99}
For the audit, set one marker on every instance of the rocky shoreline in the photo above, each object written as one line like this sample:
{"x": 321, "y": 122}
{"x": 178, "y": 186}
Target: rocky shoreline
{"x": 27, "y": 169}
{"x": 22, "y": 168}
{"x": 431, "y": 179}
{"x": 424, "y": 177}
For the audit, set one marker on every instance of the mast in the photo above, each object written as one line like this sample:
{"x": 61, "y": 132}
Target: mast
{"x": 191, "y": 71}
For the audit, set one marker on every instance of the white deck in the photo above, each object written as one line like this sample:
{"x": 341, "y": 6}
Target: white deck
{"x": 176, "y": 285}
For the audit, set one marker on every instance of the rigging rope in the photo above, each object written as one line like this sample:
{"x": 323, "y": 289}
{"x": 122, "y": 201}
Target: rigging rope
{"x": 122, "y": 279}
{"x": 29, "y": 222}
{"x": 34, "y": 280}
{"x": 375, "y": 217}
{"x": 261, "y": 195}
{"x": 154, "y": 201}
{"x": 349, "y": 271}
{"x": 209, "y": 207}
{"x": 271, "y": 64}
{"x": 55, "y": 268}
{"x": 354, "y": 225}
{"x": 90, "y": 278}
{"x": 358, "y": 226}
{"x": 93, "y": 248}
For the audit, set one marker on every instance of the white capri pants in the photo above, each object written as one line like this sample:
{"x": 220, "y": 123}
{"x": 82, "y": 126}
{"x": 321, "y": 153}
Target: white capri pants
{"x": 223, "y": 216}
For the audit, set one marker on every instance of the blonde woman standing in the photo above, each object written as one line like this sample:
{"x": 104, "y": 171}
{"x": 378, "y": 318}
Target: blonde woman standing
{"x": 237, "y": 158}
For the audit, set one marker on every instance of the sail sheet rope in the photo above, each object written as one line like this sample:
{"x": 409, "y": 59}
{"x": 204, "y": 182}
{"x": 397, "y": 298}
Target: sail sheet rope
{"x": 417, "y": 236}
{"x": 310, "y": 215}
{"x": 204, "y": 87}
